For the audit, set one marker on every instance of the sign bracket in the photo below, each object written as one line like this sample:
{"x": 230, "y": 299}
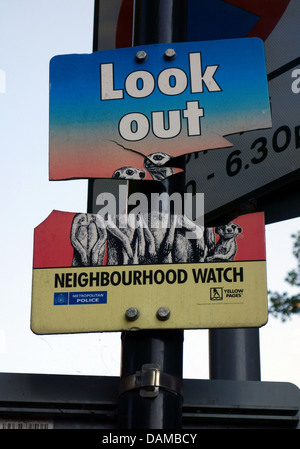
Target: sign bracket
{"x": 149, "y": 380}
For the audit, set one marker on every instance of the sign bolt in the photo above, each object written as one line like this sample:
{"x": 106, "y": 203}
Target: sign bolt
{"x": 132, "y": 314}
{"x": 170, "y": 53}
{"x": 141, "y": 56}
{"x": 163, "y": 314}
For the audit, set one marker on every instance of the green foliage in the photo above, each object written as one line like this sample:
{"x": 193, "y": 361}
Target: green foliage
{"x": 282, "y": 304}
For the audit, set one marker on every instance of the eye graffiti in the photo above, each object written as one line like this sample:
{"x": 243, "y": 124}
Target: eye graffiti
{"x": 154, "y": 164}
{"x": 129, "y": 173}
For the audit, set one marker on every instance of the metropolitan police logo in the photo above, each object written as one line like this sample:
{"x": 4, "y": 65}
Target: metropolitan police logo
{"x": 60, "y": 299}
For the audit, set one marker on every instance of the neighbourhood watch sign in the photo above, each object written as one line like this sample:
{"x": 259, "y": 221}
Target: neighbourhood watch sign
{"x": 93, "y": 278}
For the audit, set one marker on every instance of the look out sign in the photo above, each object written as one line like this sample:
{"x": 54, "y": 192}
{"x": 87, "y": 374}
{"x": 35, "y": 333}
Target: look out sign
{"x": 135, "y": 126}
{"x": 112, "y": 109}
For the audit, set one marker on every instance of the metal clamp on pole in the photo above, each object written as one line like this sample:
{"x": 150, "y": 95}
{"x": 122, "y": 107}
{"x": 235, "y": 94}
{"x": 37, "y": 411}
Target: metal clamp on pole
{"x": 149, "y": 380}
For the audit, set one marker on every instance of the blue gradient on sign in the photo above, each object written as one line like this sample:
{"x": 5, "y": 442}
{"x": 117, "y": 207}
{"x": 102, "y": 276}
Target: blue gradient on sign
{"x": 75, "y": 83}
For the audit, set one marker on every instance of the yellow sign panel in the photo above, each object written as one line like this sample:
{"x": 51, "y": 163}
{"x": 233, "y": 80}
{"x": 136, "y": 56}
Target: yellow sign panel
{"x": 182, "y": 296}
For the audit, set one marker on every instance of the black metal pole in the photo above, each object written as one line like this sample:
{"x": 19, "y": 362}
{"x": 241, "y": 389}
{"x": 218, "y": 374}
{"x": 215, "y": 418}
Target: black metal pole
{"x": 143, "y": 408}
{"x": 159, "y": 21}
{"x": 149, "y": 354}
{"x": 234, "y": 354}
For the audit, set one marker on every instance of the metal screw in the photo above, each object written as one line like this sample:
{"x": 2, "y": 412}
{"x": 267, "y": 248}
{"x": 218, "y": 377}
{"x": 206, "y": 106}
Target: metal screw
{"x": 132, "y": 314}
{"x": 163, "y": 314}
{"x": 141, "y": 56}
{"x": 170, "y": 53}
